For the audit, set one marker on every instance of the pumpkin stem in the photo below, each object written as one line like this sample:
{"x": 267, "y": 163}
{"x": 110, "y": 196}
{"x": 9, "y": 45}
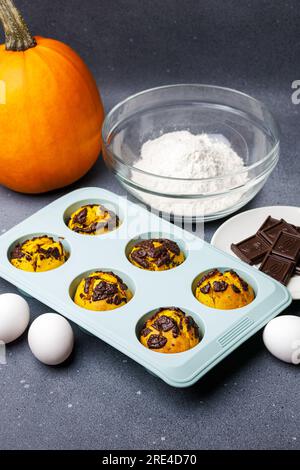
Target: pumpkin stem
{"x": 17, "y": 35}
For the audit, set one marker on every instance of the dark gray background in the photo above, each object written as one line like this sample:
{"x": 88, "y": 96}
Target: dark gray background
{"x": 101, "y": 399}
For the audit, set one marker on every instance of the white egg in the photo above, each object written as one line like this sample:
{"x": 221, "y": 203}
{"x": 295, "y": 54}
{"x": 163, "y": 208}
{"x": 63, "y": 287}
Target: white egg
{"x": 14, "y": 317}
{"x": 51, "y": 339}
{"x": 282, "y": 338}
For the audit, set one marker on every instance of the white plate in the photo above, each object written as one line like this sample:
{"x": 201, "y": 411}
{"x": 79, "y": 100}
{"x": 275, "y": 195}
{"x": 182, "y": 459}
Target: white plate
{"x": 247, "y": 223}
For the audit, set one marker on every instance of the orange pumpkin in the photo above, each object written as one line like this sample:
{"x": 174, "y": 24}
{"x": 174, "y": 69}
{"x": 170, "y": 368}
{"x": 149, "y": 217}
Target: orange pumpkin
{"x": 50, "y": 110}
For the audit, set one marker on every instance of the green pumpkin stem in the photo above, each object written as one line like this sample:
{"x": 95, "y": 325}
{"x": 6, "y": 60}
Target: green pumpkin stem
{"x": 17, "y": 35}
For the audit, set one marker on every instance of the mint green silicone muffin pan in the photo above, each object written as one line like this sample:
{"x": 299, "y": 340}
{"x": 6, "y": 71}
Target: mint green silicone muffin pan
{"x": 222, "y": 331}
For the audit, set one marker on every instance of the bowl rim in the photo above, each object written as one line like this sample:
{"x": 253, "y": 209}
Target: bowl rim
{"x": 245, "y": 169}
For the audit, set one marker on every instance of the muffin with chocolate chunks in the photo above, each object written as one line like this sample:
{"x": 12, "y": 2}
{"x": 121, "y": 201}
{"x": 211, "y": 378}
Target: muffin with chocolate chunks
{"x": 156, "y": 254}
{"x": 93, "y": 219}
{"x": 101, "y": 291}
{"x": 39, "y": 254}
{"x": 224, "y": 290}
{"x": 170, "y": 330}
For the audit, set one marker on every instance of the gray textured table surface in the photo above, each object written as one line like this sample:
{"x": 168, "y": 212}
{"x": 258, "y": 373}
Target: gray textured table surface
{"x": 101, "y": 399}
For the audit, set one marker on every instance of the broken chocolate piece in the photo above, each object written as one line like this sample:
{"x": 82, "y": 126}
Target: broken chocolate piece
{"x": 220, "y": 286}
{"x": 175, "y": 330}
{"x": 205, "y": 289}
{"x": 206, "y": 276}
{"x": 87, "y": 284}
{"x": 270, "y": 234}
{"x": 269, "y": 222}
{"x": 141, "y": 253}
{"x": 287, "y": 245}
{"x": 164, "y": 259}
{"x": 103, "y": 290}
{"x": 139, "y": 260}
{"x": 80, "y": 218}
{"x": 252, "y": 250}
{"x": 172, "y": 246}
{"x": 156, "y": 341}
{"x": 278, "y": 268}
{"x": 117, "y": 300}
{"x": 244, "y": 284}
{"x": 54, "y": 252}
{"x": 17, "y": 253}
{"x": 235, "y": 289}
{"x": 164, "y": 323}
{"x": 145, "y": 332}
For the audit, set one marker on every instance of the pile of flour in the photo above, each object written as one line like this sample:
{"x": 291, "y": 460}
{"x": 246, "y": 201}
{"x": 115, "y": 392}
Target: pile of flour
{"x": 184, "y": 155}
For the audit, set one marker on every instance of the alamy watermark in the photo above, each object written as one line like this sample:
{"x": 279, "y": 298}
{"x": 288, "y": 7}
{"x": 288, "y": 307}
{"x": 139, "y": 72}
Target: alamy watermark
{"x": 296, "y": 352}
{"x": 3, "y": 360}
{"x": 136, "y": 217}
{"x": 296, "y": 94}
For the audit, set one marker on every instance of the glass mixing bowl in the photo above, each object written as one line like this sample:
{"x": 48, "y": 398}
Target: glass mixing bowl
{"x": 234, "y": 117}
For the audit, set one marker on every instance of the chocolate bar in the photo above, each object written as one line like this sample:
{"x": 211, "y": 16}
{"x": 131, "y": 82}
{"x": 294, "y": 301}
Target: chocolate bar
{"x": 252, "y": 250}
{"x": 278, "y": 268}
{"x": 270, "y": 234}
{"x": 277, "y": 245}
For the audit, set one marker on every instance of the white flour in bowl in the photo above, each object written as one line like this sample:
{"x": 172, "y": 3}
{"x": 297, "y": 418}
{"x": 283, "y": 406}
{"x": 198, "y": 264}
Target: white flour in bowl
{"x": 184, "y": 155}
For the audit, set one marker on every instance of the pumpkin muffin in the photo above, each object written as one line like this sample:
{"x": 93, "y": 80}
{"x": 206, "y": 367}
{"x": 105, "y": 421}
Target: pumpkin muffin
{"x": 101, "y": 291}
{"x": 38, "y": 254}
{"x": 169, "y": 330}
{"x": 156, "y": 254}
{"x": 224, "y": 290}
{"x": 93, "y": 219}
